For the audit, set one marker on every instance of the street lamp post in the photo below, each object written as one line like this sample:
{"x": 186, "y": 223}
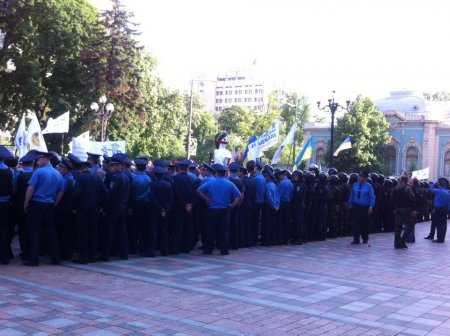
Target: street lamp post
{"x": 332, "y": 107}
{"x": 191, "y": 106}
{"x": 104, "y": 112}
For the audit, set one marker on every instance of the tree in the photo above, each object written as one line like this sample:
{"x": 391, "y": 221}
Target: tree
{"x": 44, "y": 40}
{"x": 367, "y": 129}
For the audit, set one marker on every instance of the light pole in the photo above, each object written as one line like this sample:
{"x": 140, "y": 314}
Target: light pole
{"x": 104, "y": 112}
{"x": 191, "y": 105}
{"x": 332, "y": 107}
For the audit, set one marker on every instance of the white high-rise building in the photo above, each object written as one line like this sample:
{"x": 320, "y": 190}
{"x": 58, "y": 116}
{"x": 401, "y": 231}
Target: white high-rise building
{"x": 228, "y": 90}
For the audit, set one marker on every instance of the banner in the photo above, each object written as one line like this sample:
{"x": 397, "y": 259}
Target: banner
{"x": 58, "y": 125}
{"x": 422, "y": 174}
{"x": 81, "y": 145}
{"x": 34, "y": 137}
{"x": 269, "y": 138}
{"x": 21, "y": 138}
{"x": 251, "y": 149}
{"x": 347, "y": 144}
{"x": 289, "y": 140}
{"x": 304, "y": 154}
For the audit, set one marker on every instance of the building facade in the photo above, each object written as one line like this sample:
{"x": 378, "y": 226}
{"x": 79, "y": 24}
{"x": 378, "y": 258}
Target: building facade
{"x": 419, "y": 129}
{"x": 228, "y": 90}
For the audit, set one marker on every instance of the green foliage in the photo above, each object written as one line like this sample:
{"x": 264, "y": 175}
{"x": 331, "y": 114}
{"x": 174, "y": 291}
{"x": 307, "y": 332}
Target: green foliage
{"x": 367, "y": 129}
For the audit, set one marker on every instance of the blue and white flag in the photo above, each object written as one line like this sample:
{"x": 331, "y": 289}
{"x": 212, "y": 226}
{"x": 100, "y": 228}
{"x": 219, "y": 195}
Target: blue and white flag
{"x": 251, "y": 151}
{"x": 347, "y": 144}
{"x": 21, "y": 138}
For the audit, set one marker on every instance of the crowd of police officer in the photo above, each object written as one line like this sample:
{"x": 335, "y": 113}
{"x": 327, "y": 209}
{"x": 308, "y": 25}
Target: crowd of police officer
{"x": 88, "y": 211}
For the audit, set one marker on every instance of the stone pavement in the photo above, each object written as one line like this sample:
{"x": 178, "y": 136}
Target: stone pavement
{"x": 320, "y": 288}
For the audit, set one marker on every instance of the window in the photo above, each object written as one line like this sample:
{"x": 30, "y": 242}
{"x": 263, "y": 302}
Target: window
{"x": 447, "y": 164}
{"x": 219, "y": 93}
{"x": 391, "y": 159}
{"x": 218, "y": 101}
{"x": 228, "y": 100}
{"x": 248, "y": 91}
{"x": 411, "y": 159}
{"x": 218, "y": 108}
{"x": 320, "y": 156}
{"x": 258, "y": 90}
{"x": 247, "y": 100}
{"x": 237, "y": 100}
{"x": 202, "y": 91}
{"x": 229, "y": 92}
{"x": 238, "y": 92}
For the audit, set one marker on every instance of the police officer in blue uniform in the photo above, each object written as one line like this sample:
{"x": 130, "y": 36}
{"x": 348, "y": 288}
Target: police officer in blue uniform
{"x": 94, "y": 161}
{"x": 140, "y": 233}
{"x": 270, "y": 210}
{"x": 6, "y": 183}
{"x": 221, "y": 196}
{"x": 116, "y": 208}
{"x": 161, "y": 200}
{"x": 286, "y": 190}
{"x": 89, "y": 196}
{"x": 45, "y": 190}
{"x": 361, "y": 202}
{"x": 259, "y": 185}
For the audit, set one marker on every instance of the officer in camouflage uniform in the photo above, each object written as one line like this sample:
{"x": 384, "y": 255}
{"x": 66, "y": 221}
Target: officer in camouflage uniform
{"x": 403, "y": 201}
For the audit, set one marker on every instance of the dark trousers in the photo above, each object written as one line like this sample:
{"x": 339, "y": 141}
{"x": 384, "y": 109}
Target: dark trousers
{"x": 24, "y": 238}
{"x": 64, "y": 224}
{"x": 284, "y": 223}
{"x": 432, "y": 225}
{"x": 256, "y": 222}
{"x": 181, "y": 232}
{"x": 245, "y": 217}
{"x": 440, "y": 216}
{"x": 87, "y": 233}
{"x": 161, "y": 226}
{"x": 298, "y": 220}
{"x": 4, "y": 237}
{"x": 321, "y": 221}
{"x": 360, "y": 218}
{"x": 151, "y": 232}
{"x": 267, "y": 225}
{"x": 115, "y": 224}
{"x": 141, "y": 227}
{"x": 216, "y": 229}
{"x": 234, "y": 233}
{"x": 403, "y": 217}
{"x": 41, "y": 217}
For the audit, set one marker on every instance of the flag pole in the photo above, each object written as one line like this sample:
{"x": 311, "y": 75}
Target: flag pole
{"x": 62, "y": 143}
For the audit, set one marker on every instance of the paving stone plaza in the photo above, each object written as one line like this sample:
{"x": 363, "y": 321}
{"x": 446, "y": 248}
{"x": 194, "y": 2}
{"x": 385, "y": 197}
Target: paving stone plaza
{"x": 320, "y": 288}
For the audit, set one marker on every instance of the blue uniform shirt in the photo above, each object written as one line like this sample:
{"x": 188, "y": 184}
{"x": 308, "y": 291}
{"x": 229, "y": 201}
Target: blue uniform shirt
{"x": 259, "y": 183}
{"x": 141, "y": 187}
{"x": 47, "y": 182}
{"x": 221, "y": 192}
{"x": 362, "y": 194}
{"x": 286, "y": 190}
{"x": 5, "y": 198}
{"x": 441, "y": 197}
{"x": 272, "y": 196}
{"x": 192, "y": 175}
{"x": 206, "y": 179}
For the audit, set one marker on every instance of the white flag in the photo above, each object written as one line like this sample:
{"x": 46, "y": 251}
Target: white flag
{"x": 289, "y": 140}
{"x": 34, "y": 137}
{"x": 58, "y": 125}
{"x": 269, "y": 138}
{"x": 21, "y": 138}
{"x": 80, "y": 145}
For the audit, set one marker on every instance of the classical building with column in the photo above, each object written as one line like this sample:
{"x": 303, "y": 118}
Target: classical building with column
{"x": 419, "y": 129}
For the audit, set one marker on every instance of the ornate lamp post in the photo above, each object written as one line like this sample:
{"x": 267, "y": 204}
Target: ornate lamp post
{"x": 332, "y": 107}
{"x": 104, "y": 112}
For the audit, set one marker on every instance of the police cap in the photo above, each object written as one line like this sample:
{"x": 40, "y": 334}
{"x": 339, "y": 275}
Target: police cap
{"x": 184, "y": 162}
{"x": 234, "y": 166}
{"x": 259, "y": 164}
{"x": 4, "y": 152}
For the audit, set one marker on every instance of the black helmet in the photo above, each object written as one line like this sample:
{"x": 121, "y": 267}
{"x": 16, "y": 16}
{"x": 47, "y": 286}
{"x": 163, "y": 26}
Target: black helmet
{"x": 381, "y": 178}
{"x": 369, "y": 180}
{"x": 374, "y": 177}
{"x": 268, "y": 167}
{"x": 55, "y": 159}
{"x": 250, "y": 164}
{"x": 332, "y": 171}
{"x": 308, "y": 177}
{"x": 343, "y": 177}
{"x": 394, "y": 182}
{"x": 297, "y": 175}
{"x": 388, "y": 183}
{"x": 333, "y": 179}
{"x": 288, "y": 174}
{"x": 353, "y": 178}
{"x": 323, "y": 177}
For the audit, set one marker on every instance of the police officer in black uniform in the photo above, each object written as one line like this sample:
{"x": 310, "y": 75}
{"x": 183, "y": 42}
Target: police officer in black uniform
{"x": 89, "y": 196}
{"x": 6, "y": 180}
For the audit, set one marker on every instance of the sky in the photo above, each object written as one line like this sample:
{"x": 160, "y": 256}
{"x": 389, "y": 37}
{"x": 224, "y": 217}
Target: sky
{"x": 313, "y": 47}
